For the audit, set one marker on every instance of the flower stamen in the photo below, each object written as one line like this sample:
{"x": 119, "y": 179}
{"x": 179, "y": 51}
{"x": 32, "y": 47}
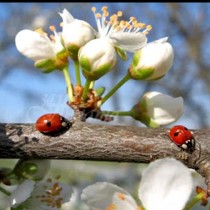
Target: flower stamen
{"x": 51, "y": 194}
{"x": 106, "y": 28}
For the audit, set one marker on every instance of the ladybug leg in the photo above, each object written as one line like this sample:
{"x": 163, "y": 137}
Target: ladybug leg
{"x": 182, "y": 155}
{"x": 195, "y": 155}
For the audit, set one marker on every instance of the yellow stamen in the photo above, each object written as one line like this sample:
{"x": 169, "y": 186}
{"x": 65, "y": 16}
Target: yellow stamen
{"x": 52, "y": 28}
{"x": 111, "y": 207}
{"x": 61, "y": 24}
{"x": 41, "y": 31}
{"x": 149, "y": 27}
{"x": 121, "y": 196}
{"x": 98, "y": 15}
{"x": 132, "y": 25}
{"x": 93, "y": 9}
{"x": 104, "y": 9}
{"x": 119, "y": 13}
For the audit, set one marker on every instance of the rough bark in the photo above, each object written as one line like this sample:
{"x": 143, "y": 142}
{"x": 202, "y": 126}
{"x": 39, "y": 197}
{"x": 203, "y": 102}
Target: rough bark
{"x": 86, "y": 141}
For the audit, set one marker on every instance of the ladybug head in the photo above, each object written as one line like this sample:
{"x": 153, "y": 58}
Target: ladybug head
{"x": 189, "y": 145}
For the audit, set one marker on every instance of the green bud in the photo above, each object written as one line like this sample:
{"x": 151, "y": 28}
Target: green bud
{"x": 100, "y": 91}
{"x": 122, "y": 53}
{"x": 97, "y": 58}
{"x": 31, "y": 169}
{"x": 153, "y": 61}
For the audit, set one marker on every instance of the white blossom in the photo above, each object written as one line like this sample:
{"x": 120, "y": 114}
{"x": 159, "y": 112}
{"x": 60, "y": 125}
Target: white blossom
{"x": 152, "y": 61}
{"x": 156, "y": 109}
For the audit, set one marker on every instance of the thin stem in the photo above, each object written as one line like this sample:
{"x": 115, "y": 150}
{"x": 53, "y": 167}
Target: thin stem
{"x": 68, "y": 82}
{"x": 77, "y": 72}
{"x": 86, "y": 89}
{"x": 4, "y": 191}
{"x": 92, "y": 84}
{"x": 115, "y": 88}
{"x": 195, "y": 200}
{"x": 118, "y": 113}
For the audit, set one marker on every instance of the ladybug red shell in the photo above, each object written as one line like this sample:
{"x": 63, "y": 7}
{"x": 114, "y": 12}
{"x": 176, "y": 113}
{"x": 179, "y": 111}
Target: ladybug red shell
{"x": 182, "y": 137}
{"x": 52, "y": 124}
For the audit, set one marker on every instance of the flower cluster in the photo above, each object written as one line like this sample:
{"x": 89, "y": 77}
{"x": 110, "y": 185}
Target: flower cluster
{"x": 25, "y": 187}
{"x": 94, "y": 53}
{"x": 165, "y": 184}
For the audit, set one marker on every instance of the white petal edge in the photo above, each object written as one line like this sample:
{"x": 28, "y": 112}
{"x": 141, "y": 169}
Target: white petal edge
{"x": 166, "y": 184}
{"x": 101, "y": 194}
{"x": 34, "y": 45}
{"x": 129, "y": 41}
{"x": 22, "y": 192}
{"x": 66, "y": 16}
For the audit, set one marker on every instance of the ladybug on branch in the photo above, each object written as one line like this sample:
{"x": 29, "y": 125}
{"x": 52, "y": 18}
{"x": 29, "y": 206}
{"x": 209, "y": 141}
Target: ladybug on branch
{"x": 52, "y": 124}
{"x": 182, "y": 137}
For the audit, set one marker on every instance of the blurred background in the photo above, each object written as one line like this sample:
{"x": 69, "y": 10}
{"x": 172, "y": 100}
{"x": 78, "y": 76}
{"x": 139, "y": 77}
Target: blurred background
{"x": 26, "y": 93}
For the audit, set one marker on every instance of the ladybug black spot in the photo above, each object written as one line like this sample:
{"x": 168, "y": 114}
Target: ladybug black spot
{"x": 176, "y": 133}
{"x": 48, "y": 123}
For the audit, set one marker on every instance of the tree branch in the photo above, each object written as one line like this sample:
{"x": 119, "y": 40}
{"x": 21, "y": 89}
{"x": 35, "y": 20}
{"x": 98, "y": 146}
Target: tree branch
{"x": 86, "y": 141}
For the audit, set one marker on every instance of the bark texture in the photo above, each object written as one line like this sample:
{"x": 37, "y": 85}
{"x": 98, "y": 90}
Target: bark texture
{"x": 86, "y": 141}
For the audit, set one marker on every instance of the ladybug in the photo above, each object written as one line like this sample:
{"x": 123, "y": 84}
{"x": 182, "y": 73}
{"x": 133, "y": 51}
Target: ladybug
{"x": 182, "y": 137}
{"x": 52, "y": 124}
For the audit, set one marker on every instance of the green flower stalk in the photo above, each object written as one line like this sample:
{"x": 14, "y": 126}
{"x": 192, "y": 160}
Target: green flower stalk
{"x": 114, "y": 89}
{"x": 154, "y": 109}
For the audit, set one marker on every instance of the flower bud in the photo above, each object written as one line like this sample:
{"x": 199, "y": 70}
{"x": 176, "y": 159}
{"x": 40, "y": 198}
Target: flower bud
{"x": 153, "y": 61}
{"x": 155, "y": 109}
{"x": 97, "y": 58}
{"x": 47, "y": 54}
{"x": 32, "y": 169}
{"x": 76, "y": 33}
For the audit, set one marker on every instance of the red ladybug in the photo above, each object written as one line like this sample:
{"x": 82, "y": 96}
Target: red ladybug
{"x": 182, "y": 137}
{"x": 52, "y": 124}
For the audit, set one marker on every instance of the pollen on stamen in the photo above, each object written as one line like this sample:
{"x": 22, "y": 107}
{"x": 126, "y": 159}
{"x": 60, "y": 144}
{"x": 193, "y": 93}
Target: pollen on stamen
{"x": 41, "y": 31}
{"x": 52, "y": 28}
{"x": 147, "y": 30}
{"x": 93, "y": 9}
{"x": 52, "y": 196}
{"x": 98, "y": 15}
{"x": 119, "y": 13}
{"x": 111, "y": 207}
{"x": 121, "y": 196}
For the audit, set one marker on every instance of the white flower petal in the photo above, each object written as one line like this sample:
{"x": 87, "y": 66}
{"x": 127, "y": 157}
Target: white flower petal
{"x": 165, "y": 184}
{"x": 129, "y": 41}
{"x": 158, "y": 55}
{"x": 163, "y": 109}
{"x": 57, "y": 193}
{"x": 103, "y": 194}
{"x": 66, "y": 16}
{"x": 124, "y": 202}
{"x": 77, "y": 33}
{"x": 22, "y": 192}
{"x": 34, "y": 45}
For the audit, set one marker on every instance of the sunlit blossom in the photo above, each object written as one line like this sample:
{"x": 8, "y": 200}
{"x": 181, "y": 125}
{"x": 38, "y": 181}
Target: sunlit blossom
{"x": 128, "y": 35}
{"x": 47, "y": 52}
{"x": 42, "y": 195}
{"x": 156, "y": 109}
{"x": 76, "y": 33}
{"x": 153, "y": 61}
{"x": 166, "y": 184}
